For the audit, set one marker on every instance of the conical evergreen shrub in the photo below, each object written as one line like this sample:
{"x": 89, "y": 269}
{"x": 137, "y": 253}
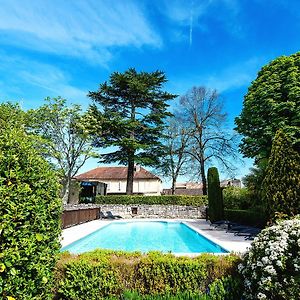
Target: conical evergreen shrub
{"x": 281, "y": 186}
{"x": 215, "y": 199}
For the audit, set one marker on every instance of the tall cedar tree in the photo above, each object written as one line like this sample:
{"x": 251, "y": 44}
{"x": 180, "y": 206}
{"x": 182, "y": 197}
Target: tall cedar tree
{"x": 129, "y": 113}
{"x": 272, "y": 102}
{"x": 281, "y": 186}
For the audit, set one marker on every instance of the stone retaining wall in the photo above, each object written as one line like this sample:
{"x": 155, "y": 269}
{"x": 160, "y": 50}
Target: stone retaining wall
{"x": 145, "y": 211}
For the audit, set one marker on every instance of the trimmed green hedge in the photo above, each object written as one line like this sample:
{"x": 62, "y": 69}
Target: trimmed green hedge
{"x": 246, "y": 217}
{"x": 152, "y": 200}
{"x": 100, "y": 273}
{"x": 30, "y": 212}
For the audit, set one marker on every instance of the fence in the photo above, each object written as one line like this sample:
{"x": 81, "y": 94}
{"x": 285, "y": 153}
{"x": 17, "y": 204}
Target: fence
{"x": 78, "y": 216}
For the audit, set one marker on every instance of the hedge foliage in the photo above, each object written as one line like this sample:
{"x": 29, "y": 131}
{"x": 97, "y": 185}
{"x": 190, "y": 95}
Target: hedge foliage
{"x": 238, "y": 198}
{"x": 100, "y": 273}
{"x": 152, "y": 200}
{"x": 215, "y": 198}
{"x": 246, "y": 217}
{"x": 30, "y": 217}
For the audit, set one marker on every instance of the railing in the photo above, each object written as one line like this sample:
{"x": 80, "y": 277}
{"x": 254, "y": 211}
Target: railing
{"x": 78, "y": 216}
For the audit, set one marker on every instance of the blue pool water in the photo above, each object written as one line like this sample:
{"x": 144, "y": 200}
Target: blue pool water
{"x": 145, "y": 236}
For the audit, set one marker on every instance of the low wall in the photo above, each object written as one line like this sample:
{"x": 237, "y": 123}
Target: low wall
{"x": 153, "y": 211}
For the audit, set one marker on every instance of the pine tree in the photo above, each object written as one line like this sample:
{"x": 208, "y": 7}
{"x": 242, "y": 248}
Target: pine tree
{"x": 281, "y": 186}
{"x": 215, "y": 199}
{"x": 128, "y": 114}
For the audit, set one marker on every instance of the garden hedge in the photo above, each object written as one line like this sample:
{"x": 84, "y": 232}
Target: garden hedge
{"x": 30, "y": 218}
{"x": 246, "y": 217}
{"x": 152, "y": 200}
{"x": 103, "y": 273}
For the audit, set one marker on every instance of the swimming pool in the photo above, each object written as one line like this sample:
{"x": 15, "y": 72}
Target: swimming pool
{"x": 144, "y": 236}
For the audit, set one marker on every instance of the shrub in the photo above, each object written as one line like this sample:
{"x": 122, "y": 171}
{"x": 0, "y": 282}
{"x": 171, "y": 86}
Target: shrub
{"x": 215, "y": 200}
{"x": 281, "y": 186}
{"x": 103, "y": 273}
{"x": 238, "y": 198}
{"x": 153, "y": 200}
{"x": 30, "y": 214}
{"x": 246, "y": 217}
{"x": 271, "y": 268}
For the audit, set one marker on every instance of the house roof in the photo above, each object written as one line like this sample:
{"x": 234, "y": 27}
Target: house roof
{"x": 119, "y": 173}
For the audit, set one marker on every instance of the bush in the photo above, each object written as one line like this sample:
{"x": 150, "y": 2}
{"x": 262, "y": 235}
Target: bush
{"x": 246, "y": 217}
{"x": 271, "y": 268}
{"x": 238, "y": 198}
{"x": 103, "y": 273}
{"x": 281, "y": 186}
{"x": 30, "y": 218}
{"x": 153, "y": 200}
{"x": 215, "y": 200}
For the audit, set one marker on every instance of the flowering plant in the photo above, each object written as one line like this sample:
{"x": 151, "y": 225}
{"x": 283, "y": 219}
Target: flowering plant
{"x": 271, "y": 269}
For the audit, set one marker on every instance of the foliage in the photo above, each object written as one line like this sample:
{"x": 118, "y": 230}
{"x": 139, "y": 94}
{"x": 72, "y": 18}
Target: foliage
{"x": 272, "y": 102}
{"x": 202, "y": 115}
{"x": 225, "y": 288}
{"x": 66, "y": 142}
{"x": 251, "y": 217}
{"x": 12, "y": 114}
{"x": 281, "y": 186}
{"x": 30, "y": 217}
{"x": 106, "y": 273}
{"x": 131, "y": 117}
{"x": 271, "y": 269}
{"x": 238, "y": 198}
{"x": 153, "y": 200}
{"x": 174, "y": 162}
{"x": 215, "y": 198}
{"x": 253, "y": 182}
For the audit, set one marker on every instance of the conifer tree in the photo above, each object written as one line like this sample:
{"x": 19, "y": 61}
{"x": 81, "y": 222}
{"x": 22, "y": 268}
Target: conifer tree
{"x": 281, "y": 186}
{"x": 128, "y": 115}
{"x": 215, "y": 199}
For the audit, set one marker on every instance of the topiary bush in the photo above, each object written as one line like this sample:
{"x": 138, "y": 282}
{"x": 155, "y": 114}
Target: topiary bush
{"x": 30, "y": 213}
{"x": 271, "y": 269}
{"x": 281, "y": 186}
{"x": 153, "y": 200}
{"x": 215, "y": 199}
{"x": 104, "y": 273}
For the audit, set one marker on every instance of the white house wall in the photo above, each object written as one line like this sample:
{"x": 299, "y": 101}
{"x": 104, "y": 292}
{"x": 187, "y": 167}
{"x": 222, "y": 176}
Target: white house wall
{"x": 143, "y": 186}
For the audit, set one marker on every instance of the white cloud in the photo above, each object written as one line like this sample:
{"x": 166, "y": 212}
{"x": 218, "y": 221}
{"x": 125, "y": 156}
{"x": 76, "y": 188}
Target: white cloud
{"x": 82, "y": 28}
{"x": 25, "y": 77}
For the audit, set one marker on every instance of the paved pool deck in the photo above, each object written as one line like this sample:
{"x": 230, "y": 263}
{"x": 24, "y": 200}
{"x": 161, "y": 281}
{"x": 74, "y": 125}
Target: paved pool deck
{"x": 228, "y": 241}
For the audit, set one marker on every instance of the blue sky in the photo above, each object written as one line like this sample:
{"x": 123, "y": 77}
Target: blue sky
{"x": 66, "y": 48}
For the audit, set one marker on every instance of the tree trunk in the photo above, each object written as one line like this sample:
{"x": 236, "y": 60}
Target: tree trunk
{"x": 173, "y": 186}
{"x": 203, "y": 178}
{"x": 130, "y": 174}
{"x": 66, "y": 190}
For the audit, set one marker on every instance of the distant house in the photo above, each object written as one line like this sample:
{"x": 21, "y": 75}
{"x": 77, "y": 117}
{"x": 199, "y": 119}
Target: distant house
{"x": 115, "y": 179}
{"x": 186, "y": 188}
{"x": 231, "y": 182}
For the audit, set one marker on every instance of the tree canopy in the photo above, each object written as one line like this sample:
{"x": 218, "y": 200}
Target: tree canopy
{"x": 128, "y": 114}
{"x": 202, "y": 114}
{"x": 272, "y": 102}
{"x": 65, "y": 140}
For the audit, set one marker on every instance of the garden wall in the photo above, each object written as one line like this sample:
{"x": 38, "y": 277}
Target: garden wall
{"x": 146, "y": 211}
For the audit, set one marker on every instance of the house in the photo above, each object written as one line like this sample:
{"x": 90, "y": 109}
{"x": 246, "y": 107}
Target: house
{"x": 115, "y": 178}
{"x": 186, "y": 188}
{"x": 231, "y": 182}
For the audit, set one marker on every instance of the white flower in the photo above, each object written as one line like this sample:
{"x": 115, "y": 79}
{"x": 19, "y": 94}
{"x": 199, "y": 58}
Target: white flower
{"x": 261, "y": 296}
